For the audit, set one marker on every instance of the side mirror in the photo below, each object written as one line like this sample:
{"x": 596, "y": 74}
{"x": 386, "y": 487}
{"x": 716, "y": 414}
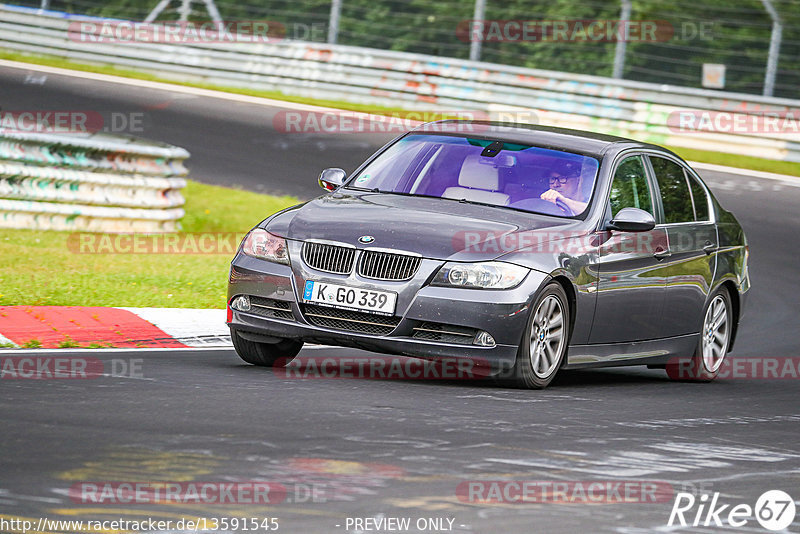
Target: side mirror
{"x": 330, "y": 179}
{"x": 632, "y": 220}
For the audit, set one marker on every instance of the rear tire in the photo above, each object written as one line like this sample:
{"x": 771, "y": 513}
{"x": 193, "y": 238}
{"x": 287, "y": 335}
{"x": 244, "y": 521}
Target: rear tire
{"x": 715, "y": 338}
{"x": 266, "y": 354}
{"x": 544, "y": 342}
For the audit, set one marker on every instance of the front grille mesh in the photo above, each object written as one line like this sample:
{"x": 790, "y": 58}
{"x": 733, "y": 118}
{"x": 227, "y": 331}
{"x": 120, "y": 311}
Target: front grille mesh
{"x": 351, "y": 321}
{"x": 387, "y": 266}
{"x": 372, "y": 264}
{"x": 279, "y": 309}
{"x": 446, "y": 333}
{"x": 328, "y": 258}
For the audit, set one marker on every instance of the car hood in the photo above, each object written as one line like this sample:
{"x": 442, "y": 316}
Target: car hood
{"x": 435, "y": 228}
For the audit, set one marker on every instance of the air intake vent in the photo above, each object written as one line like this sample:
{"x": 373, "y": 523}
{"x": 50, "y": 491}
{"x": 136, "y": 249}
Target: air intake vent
{"x": 279, "y": 309}
{"x": 387, "y": 266}
{"x": 352, "y": 321}
{"x": 446, "y": 333}
{"x": 328, "y": 258}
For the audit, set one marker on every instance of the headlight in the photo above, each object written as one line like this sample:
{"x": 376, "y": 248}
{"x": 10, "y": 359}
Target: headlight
{"x": 489, "y": 275}
{"x": 261, "y": 244}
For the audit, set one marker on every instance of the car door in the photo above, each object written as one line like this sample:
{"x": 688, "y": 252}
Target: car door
{"x": 631, "y": 279}
{"x": 692, "y": 239}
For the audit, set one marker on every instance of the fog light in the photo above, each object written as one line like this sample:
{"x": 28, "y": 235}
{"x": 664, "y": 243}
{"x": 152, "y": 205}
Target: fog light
{"x": 484, "y": 339}
{"x": 241, "y": 303}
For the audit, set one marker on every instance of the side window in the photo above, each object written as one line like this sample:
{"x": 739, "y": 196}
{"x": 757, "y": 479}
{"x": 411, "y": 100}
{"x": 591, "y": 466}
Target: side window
{"x": 629, "y": 188}
{"x": 675, "y": 196}
{"x": 700, "y": 199}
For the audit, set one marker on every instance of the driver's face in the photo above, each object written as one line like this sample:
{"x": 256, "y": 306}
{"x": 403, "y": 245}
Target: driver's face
{"x": 567, "y": 186}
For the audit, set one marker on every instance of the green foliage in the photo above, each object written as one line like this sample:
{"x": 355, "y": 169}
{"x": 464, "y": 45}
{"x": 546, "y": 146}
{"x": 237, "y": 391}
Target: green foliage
{"x": 95, "y": 345}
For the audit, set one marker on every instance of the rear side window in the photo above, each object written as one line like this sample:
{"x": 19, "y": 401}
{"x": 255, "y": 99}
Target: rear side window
{"x": 675, "y": 196}
{"x": 699, "y": 198}
{"x": 629, "y": 188}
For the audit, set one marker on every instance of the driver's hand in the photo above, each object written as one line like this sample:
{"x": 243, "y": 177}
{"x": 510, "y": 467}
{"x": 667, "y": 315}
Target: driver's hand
{"x": 551, "y": 195}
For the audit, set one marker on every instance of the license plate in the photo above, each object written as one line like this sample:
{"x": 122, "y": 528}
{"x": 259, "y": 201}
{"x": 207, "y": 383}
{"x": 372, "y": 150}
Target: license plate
{"x": 352, "y": 298}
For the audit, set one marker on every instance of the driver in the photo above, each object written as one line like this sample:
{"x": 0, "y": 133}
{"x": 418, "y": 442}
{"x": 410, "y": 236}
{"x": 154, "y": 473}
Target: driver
{"x": 564, "y": 186}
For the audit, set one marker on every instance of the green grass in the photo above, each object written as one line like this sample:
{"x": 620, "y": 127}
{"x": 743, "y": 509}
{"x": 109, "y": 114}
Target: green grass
{"x": 95, "y": 345}
{"x": 68, "y": 343}
{"x": 704, "y": 156}
{"x": 38, "y": 269}
{"x": 739, "y": 161}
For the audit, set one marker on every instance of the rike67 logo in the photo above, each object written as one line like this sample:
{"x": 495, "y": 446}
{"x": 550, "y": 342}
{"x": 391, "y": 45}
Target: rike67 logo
{"x": 774, "y": 510}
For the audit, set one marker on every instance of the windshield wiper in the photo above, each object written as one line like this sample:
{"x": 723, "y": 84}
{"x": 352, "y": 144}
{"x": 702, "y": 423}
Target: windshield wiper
{"x": 377, "y": 190}
{"x": 402, "y": 193}
{"x": 465, "y": 201}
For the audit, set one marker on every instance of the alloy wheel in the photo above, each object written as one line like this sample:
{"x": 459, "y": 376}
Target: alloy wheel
{"x": 547, "y": 336}
{"x": 716, "y": 333}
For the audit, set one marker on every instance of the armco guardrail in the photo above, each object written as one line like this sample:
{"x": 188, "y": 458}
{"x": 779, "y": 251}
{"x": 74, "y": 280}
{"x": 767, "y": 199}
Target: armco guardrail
{"x": 92, "y": 182}
{"x": 726, "y": 122}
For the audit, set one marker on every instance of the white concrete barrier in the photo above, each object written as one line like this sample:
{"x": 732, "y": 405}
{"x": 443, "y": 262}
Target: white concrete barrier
{"x": 90, "y": 183}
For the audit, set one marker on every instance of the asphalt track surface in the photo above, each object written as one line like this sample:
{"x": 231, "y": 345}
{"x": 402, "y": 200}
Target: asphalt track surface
{"x": 396, "y": 448}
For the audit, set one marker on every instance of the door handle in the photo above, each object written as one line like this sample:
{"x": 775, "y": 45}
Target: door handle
{"x": 662, "y": 253}
{"x": 709, "y": 247}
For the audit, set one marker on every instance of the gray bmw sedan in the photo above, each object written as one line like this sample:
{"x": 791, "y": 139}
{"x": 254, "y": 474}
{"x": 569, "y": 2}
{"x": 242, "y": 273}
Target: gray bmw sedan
{"x": 522, "y": 249}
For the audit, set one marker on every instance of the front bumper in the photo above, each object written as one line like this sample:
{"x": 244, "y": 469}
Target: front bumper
{"x": 501, "y": 313}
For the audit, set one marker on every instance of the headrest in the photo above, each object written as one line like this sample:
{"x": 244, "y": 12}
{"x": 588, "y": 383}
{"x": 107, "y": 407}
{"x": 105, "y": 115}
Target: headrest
{"x": 477, "y": 175}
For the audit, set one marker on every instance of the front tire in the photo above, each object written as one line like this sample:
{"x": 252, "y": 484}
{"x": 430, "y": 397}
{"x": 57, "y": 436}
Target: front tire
{"x": 544, "y": 343}
{"x": 266, "y": 354}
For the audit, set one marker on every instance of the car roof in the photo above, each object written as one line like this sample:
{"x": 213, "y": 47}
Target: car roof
{"x": 566, "y": 139}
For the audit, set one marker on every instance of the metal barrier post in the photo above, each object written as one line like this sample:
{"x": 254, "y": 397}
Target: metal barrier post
{"x": 622, "y": 43}
{"x": 774, "y": 48}
{"x": 475, "y": 44}
{"x": 333, "y": 28}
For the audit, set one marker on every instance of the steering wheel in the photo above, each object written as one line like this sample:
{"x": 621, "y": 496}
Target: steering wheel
{"x": 566, "y": 209}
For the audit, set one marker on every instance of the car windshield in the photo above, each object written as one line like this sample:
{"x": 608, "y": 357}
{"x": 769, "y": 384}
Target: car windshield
{"x": 528, "y": 178}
